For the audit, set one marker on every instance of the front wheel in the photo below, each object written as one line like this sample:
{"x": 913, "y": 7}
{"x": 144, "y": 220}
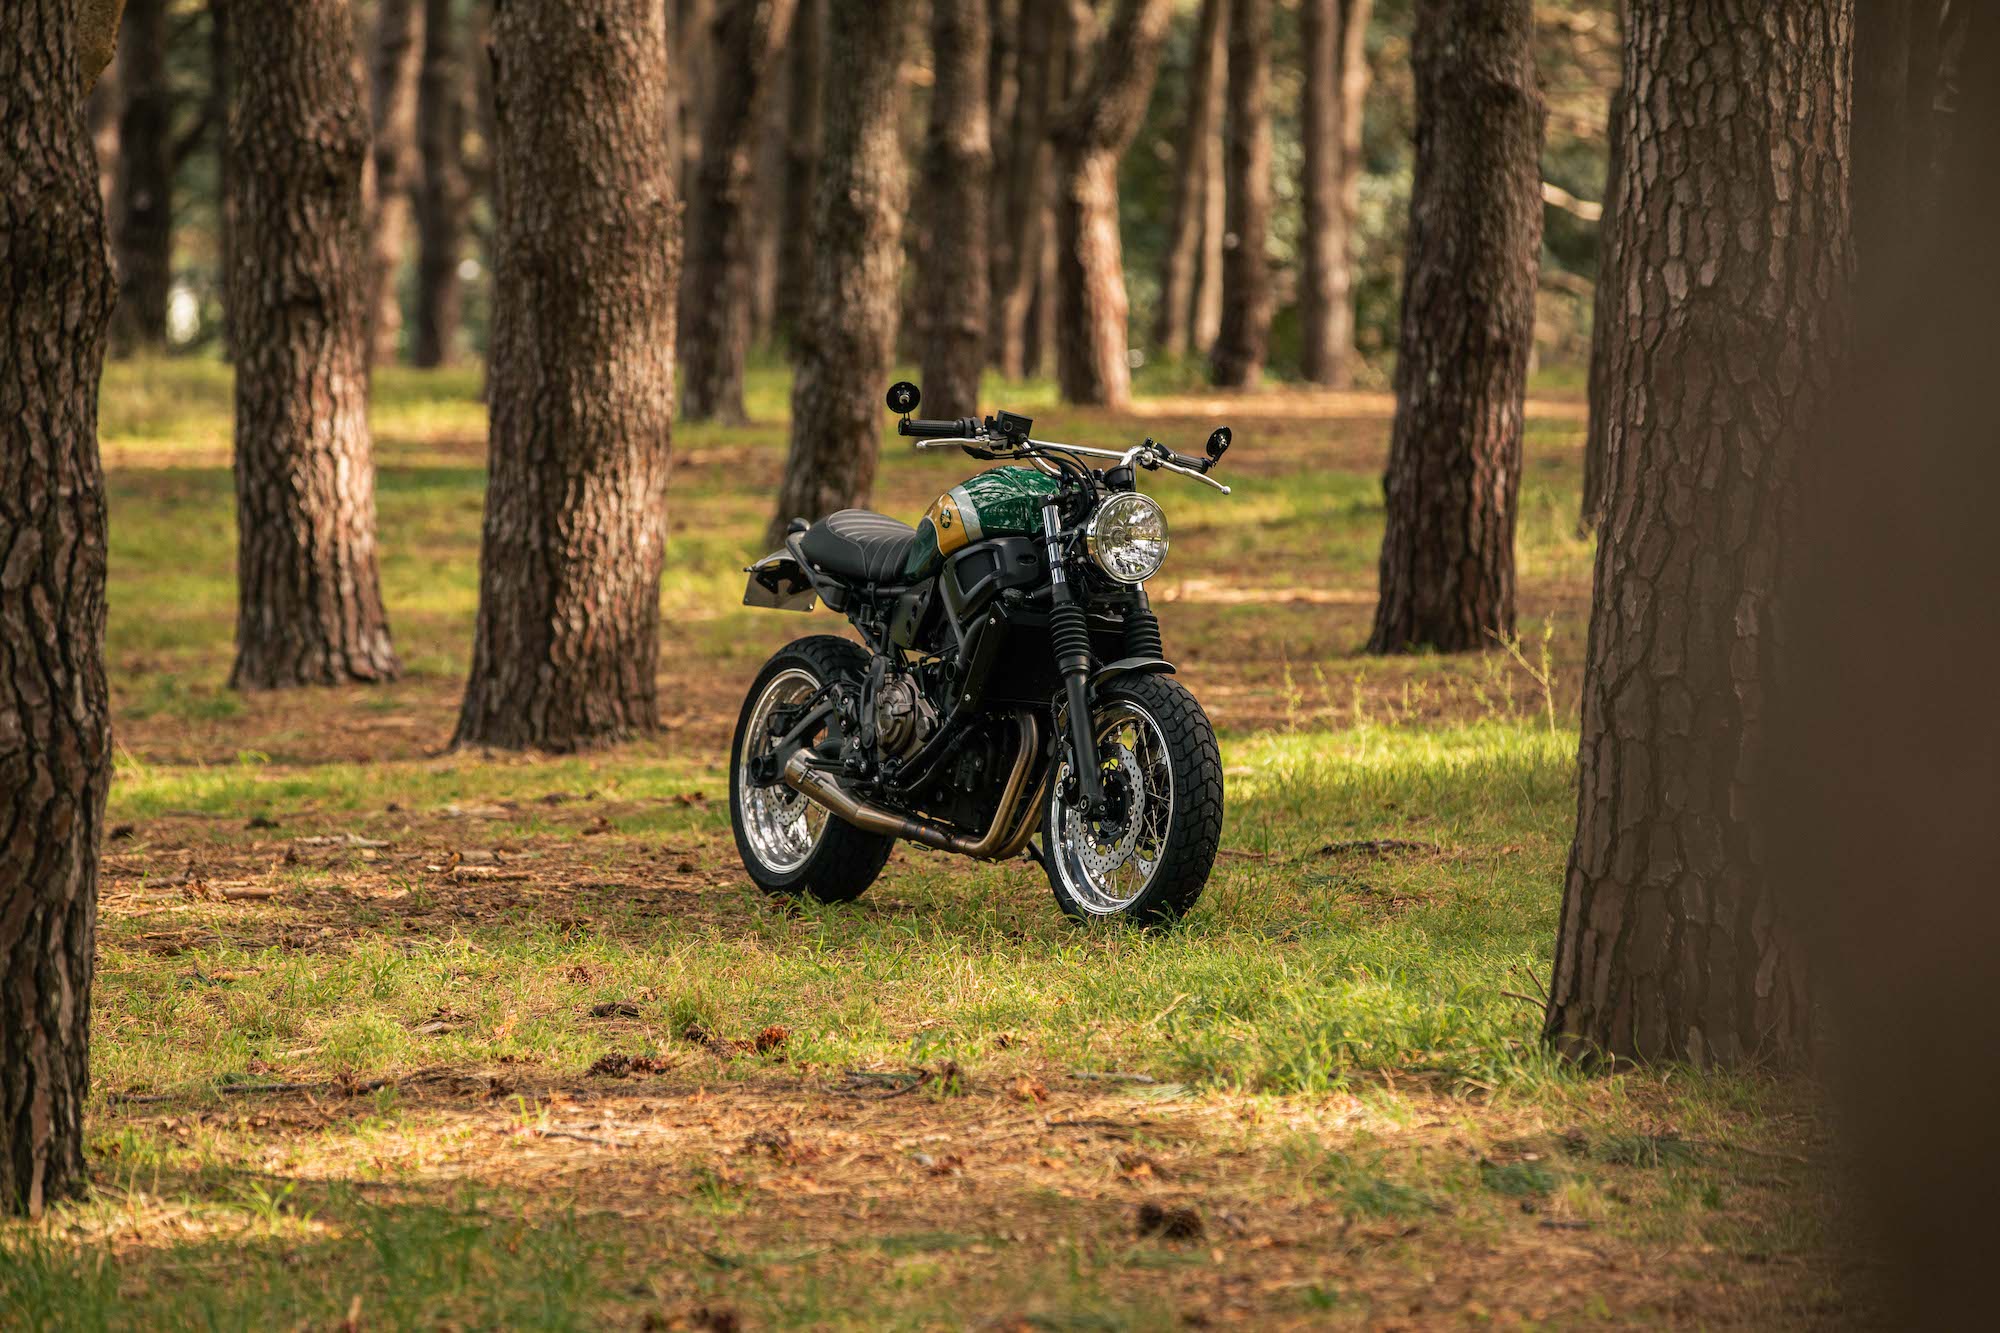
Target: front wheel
{"x": 791, "y": 845}
{"x": 1149, "y": 858}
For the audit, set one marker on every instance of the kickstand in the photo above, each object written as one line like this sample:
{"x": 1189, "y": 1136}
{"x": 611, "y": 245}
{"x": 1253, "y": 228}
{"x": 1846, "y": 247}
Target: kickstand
{"x": 1035, "y": 850}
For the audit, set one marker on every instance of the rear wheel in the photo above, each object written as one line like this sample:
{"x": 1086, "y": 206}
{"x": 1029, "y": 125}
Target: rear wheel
{"x": 1148, "y": 860}
{"x": 790, "y": 844}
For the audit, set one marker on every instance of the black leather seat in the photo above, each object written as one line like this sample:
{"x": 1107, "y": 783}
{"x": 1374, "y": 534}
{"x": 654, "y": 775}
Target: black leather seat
{"x": 860, "y": 545}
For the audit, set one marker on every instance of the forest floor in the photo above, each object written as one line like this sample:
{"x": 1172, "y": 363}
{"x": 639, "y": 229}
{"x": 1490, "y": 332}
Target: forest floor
{"x": 391, "y": 1037}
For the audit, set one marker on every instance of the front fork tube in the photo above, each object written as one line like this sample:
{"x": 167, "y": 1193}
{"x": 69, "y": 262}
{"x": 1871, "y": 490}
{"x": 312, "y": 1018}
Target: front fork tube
{"x": 1071, "y": 633}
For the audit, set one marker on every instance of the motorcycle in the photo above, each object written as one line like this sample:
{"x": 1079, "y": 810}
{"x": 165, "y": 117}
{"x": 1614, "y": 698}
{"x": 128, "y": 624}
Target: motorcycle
{"x": 1010, "y": 679}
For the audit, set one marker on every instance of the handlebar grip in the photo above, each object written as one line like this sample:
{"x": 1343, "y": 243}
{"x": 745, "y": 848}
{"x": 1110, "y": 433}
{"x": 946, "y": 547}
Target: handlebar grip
{"x": 936, "y": 430}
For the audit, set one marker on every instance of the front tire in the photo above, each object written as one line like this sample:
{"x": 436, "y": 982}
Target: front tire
{"x": 792, "y": 846}
{"x": 1161, "y": 763}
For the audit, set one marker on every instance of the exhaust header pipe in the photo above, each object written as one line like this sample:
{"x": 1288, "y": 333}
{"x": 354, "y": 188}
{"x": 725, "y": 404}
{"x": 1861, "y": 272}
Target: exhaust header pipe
{"x": 1006, "y": 837}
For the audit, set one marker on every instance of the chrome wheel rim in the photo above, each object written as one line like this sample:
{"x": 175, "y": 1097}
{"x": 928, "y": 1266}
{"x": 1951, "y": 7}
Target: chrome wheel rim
{"x": 1106, "y": 871}
{"x": 782, "y": 826}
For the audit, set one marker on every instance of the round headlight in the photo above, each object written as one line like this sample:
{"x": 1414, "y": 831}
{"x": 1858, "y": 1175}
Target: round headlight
{"x": 1127, "y": 537}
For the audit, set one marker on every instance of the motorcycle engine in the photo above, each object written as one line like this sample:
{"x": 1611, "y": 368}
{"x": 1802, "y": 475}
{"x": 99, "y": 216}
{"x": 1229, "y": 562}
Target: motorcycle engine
{"x": 904, "y": 718}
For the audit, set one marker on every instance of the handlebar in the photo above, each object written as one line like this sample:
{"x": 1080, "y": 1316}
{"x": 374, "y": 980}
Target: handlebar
{"x": 969, "y": 433}
{"x": 937, "y": 430}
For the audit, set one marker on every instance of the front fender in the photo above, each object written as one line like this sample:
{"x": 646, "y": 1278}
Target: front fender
{"x": 1111, "y": 672}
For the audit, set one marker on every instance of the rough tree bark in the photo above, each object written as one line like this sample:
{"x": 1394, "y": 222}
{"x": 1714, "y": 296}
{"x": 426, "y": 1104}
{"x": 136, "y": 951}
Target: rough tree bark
{"x": 1671, "y": 945}
{"x": 143, "y": 198}
{"x": 1238, "y": 359}
{"x": 1474, "y": 252}
{"x": 443, "y": 196}
{"x": 1182, "y": 256}
{"x": 56, "y": 295}
{"x": 1604, "y": 330}
{"x": 566, "y": 653}
{"x": 394, "y": 57}
{"x": 1330, "y": 31}
{"x": 309, "y": 602}
{"x": 1090, "y": 135}
{"x": 715, "y": 288}
{"x": 849, "y": 332}
{"x": 805, "y": 61}
{"x": 957, "y": 178}
{"x": 1019, "y": 243}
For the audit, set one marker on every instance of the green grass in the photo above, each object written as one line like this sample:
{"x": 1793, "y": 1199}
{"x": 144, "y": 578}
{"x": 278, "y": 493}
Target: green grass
{"x": 1341, "y": 1041}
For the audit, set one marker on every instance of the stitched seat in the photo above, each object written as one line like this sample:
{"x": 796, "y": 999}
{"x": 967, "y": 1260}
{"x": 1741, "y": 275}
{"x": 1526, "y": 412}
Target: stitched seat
{"x": 861, "y": 545}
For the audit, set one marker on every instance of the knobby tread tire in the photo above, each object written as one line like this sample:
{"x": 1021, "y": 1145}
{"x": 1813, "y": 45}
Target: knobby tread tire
{"x": 847, "y": 859}
{"x": 1195, "y": 834}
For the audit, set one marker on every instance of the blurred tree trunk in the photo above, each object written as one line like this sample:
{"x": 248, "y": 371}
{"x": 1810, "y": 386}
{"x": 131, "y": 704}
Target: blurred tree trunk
{"x": 309, "y": 602}
{"x": 767, "y": 213}
{"x": 1091, "y": 134}
{"x": 394, "y": 58}
{"x": 566, "y": 653}
{"x": 691, "y": 43}
{"x": 715, "y": 289}
{"x": 443, "y": 196}
{"x": 56, "y": 298}
{"x": 1024, "y": 182}
{"x": 1238, "y": 359}
{"x": 1604, "y": 331}
{"x": 1003, "y": 90}
{"x": 143, "y": 197}
{"x": 1330, "y": 31}
{"x": 848, "y": 336}
{"x": 220, "y": 95}
{"x": 1671, "y": 945}
{"x": 957, "y": 178}
{"x": 1206, "y": 324}
{"x": 102, "y": 110}
{"x": 1474, "y": 253}
{"x": 805, "y": 61}
{"x": 1181, "y": 258}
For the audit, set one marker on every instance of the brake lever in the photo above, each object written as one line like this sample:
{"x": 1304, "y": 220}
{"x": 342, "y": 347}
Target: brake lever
{"x": 1191, "y": 472}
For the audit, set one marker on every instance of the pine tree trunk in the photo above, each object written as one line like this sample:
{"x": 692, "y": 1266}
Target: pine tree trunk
{"x": 1671, "y": 945}
{"x": 1091, "y": 135}
{"x": 393, "y": 73}
{"x": 1182, "y": 255}
{"x": 1206, "y": 324}
{"x": 143, "y": 199}
{"x": 848, "y": 337}
{"x": 1326, "y": 291}
{"x": 715, "y": 290}
{"x": 1238, "y": 359}
{"x": 805, "y": 60}
{"x": 1474, "y": 253}
{"x": 957, "y": 178}
{"x": 1020, "y": 242}
{"x": 443, "y": 197}
{"x": 220, "y": 94}
{"x": 56, "y": 297}
{"x": 309, "y": 602}
{"x": 1604, "y": 331}
{"x": 566, "y": 653}
{"x": 691, "y": 38}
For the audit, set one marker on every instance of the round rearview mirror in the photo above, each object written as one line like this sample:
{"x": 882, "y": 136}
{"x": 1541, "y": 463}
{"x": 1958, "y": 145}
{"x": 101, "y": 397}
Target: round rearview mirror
{"x": 904, "y": 397}
{"x": 1218, "y": 443}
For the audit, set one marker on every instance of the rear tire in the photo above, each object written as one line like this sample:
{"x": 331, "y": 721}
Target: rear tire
{"x": 1158, "y": 750}
{"x": 792, "y": 846}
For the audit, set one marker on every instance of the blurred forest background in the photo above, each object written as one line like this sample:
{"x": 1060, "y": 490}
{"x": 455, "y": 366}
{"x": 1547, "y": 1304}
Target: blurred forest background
{"x": 157, "y": 119}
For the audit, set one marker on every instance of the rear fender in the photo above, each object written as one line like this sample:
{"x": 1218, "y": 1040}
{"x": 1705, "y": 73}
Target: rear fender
{"x": 779, "y": 582}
